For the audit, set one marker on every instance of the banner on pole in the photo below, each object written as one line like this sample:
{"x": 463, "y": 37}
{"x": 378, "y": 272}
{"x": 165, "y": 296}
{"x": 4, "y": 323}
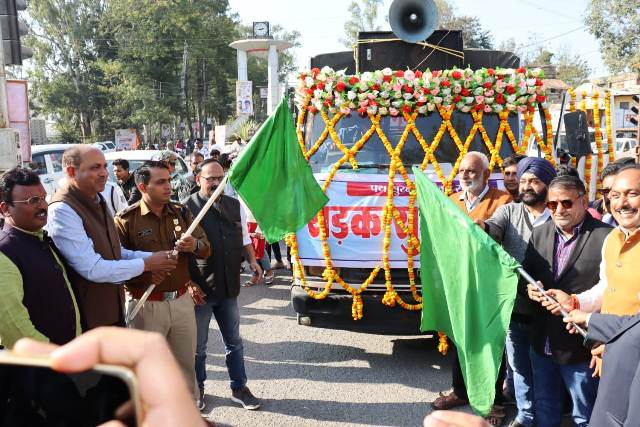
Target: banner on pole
{"x": 244, "y": 99}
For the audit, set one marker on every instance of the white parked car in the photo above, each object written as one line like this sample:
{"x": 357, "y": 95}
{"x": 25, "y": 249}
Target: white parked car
{"x": 137, "y": 157}
{"x": 46, "y": 161}
{"x": 106, "y": 146}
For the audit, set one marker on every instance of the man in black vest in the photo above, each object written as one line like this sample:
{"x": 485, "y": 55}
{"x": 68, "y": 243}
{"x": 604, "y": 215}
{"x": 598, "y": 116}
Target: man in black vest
{"x": 36, "y": 298}
{"x": 219, "y": 276}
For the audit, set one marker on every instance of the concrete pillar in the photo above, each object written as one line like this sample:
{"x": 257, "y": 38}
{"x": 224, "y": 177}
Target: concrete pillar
{"x": 273, "y": 90}
{"x": 242, "y": 65}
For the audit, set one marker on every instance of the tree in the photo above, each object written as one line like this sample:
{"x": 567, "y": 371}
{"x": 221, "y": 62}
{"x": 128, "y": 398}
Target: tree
{"x": 66, "y": 79}
{"x": 473, "y": 35}
{"x": 570, "y": 67}
{"x": 363, "y": 15}
{"x": 615, "y": 24}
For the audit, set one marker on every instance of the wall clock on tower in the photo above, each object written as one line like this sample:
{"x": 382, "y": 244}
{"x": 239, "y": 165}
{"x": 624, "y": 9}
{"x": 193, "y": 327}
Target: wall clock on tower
{"x": 261, "y": 29}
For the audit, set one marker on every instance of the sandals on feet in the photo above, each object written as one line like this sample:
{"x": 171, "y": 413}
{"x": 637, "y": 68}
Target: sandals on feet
{"x": 269, "y": 276}
{"x": 496, "y": 416}
{"x": 448, "y": 401}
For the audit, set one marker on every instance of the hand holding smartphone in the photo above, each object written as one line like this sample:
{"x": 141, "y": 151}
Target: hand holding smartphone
{"x": 156, "y": 394}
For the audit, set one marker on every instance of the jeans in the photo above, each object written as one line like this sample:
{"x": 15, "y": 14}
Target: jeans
{"x": 517, "y": 347}
{"x": 228, "y": 317}
{"x": 549, "y": 378}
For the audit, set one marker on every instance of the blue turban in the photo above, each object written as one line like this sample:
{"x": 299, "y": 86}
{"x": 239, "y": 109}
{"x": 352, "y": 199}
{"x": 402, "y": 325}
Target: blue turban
{"x": 541, "y": 168}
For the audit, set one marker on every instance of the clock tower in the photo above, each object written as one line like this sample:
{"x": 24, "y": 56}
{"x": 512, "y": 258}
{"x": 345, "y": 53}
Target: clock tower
{"x": 265, "y": 46}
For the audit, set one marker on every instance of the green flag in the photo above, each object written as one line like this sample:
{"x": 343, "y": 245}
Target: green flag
{"x": 274, "y": 179}
{"x": 469, "y": 287}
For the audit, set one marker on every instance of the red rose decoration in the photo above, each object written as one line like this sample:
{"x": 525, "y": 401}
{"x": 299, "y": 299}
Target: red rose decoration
{"x": 406, "y": 109}
{"x": 445, "y": 83}
{"x": 315, "y": 71}
{"x": 313, "y": 109}
{"x": 478, "y": 107}
{"x": 465, "y": 92}
{"x": 487, "y": 85}
{"x": 309, "y": 91}
{"x": 491, "y": 71}
{"x": 407, "y": 89}
{"x": 538, "y": 82}
{"x": 375, "y": 86}
{"x": 457, "y": 99}
{"x": 521, "y": 70}
{"x": 540, "y": 98}
{"x": 386, "y": 79}
{"x": 320, "y": 85}
{"x": 340, "y": 86}
{"x": 353, "y": 80}
{"x": 399, "y": 73}
{"x": 327, "y": 103}
{"x": 362, "y": 111}
{"x": 372, "y": 103}
{"x": 456, "y": 75}
{"x": 500, "y": 99}
{"x": 510, "y": 89}
{"x": 418, "y": 74}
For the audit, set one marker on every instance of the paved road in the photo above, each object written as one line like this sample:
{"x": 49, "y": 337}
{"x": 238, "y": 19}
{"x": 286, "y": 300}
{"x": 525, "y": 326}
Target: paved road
{"x": 317, "y": 377}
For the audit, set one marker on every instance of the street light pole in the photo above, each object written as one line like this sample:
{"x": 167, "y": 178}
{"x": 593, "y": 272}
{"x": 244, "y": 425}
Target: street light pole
{"x": 4, "y": 112}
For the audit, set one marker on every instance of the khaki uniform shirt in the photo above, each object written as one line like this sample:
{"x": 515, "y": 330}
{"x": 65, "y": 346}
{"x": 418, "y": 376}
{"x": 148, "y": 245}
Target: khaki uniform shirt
{"x": 140, "y": 229}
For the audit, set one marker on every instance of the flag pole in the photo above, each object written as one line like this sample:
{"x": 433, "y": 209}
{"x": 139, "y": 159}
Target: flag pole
{"x": 189, "y": 231}
{"x": 564, "y": 313}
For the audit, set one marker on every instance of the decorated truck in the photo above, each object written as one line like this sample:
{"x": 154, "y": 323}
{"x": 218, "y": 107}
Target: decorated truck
{"x": 356, "y": 265}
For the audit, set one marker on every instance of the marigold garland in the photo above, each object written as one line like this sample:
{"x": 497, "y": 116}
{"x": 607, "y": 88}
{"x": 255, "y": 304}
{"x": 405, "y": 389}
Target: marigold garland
{"x": 598, "y": 138}
{"x": 608, "y": 127}
{"x": 589, "y": 157}
{"x": 329, "y": 90}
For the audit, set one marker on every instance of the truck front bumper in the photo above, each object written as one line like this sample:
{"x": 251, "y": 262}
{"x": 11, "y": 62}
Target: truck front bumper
{"x": 334, "y": 312}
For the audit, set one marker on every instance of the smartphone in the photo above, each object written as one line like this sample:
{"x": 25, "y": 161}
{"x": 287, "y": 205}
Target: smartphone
{"x": 32, "y": 394}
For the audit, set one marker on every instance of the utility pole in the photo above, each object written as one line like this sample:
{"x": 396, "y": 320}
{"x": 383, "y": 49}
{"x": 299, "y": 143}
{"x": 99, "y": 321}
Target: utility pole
{"x": 183, "y": 86}
{"x": 4, "y": 112}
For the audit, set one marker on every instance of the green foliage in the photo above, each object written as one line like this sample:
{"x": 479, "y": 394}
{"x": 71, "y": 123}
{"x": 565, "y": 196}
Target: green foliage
{"x": 570, "y": 67}
{"x": 615, "y": 24}
{"x": 363, "y": 15}
{"x": 246, "y": 130}
{"x": 105, "y": 65}
{"x": 473, "y": 35}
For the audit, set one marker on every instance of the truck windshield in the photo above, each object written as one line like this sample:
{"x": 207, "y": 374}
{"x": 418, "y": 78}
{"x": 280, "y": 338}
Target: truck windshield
{"x": 373, "y": 154}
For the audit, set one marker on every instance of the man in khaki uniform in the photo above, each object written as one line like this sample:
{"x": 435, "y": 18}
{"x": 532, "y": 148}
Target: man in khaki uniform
{"x": 152, "y": 224}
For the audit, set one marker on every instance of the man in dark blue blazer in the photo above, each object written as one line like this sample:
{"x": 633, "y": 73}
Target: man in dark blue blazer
{"x": 620, "y": 381}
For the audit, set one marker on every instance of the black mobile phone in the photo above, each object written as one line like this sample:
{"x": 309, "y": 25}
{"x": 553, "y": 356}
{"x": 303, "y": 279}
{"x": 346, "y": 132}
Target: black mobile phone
{"x": 34, "y": 395}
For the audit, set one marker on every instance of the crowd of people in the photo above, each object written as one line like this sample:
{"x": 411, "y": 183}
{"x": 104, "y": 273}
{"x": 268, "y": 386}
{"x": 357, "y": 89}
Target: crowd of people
{"x": 68, "y": 266}
{"x": 585, "y": 265}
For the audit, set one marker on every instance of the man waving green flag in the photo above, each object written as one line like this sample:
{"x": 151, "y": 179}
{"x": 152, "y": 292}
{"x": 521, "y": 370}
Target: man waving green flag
{"x": 274, "y": 179}
{"x": 469, "y": 286}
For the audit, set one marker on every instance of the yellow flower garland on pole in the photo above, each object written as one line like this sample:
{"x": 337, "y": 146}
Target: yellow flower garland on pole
{"x": 598, "y": 137}
{"x": 608, "y": 127}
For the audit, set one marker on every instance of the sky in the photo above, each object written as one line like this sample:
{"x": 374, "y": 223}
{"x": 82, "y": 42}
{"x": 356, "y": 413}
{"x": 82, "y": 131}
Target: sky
{"x": 558, "y": 24}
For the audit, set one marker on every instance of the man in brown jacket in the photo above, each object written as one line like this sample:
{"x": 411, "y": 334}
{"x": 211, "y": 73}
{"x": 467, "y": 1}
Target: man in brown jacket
{"x": 155, "y": 224}
{"x": 83, "y": 230}
{"x": 477, "y": 199}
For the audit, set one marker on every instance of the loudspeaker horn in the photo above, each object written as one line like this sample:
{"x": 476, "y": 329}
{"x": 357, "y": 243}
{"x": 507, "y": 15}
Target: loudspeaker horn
{"x": 413, "y": 20}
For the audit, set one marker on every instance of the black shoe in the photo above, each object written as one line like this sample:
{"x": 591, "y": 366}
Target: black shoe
{"x": 244, "y": 397}
{"x": 200, "y": 402}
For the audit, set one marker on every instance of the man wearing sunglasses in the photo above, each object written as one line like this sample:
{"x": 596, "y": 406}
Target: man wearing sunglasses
{"x": 36, "y": 298}
{"x": 564, "y": 254}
